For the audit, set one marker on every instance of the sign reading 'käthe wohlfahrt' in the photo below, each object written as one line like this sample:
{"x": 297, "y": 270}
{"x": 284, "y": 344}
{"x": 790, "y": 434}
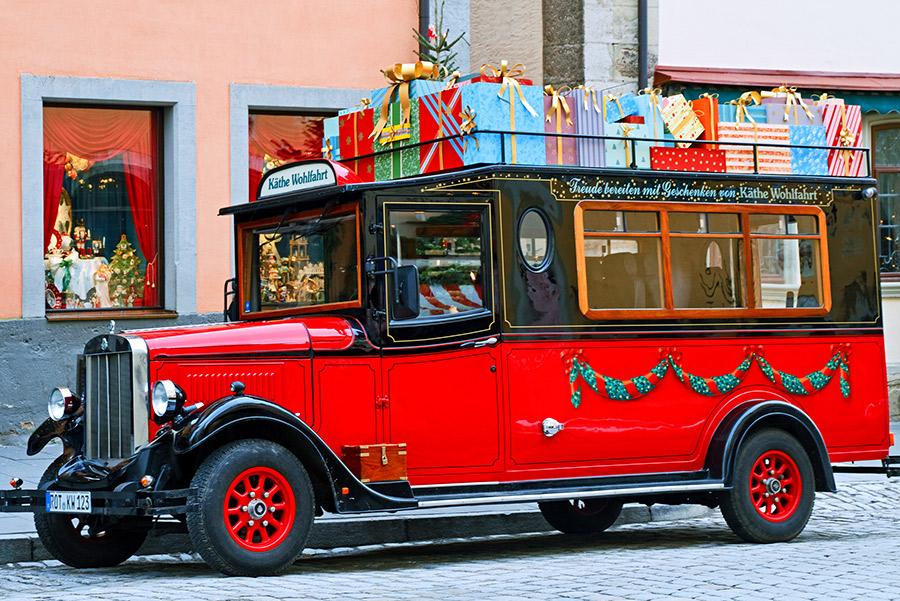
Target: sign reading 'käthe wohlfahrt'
{"x": 299, "y": 177}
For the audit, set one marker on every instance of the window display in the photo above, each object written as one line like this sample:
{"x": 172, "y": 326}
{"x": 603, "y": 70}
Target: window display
{"x": 101, "y": 215}
{"x": 280, "y": 138}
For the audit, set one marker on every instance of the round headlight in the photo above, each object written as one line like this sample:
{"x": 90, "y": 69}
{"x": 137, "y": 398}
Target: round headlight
{"x": 166, "y": 400}
{"x": 61, "y": 403}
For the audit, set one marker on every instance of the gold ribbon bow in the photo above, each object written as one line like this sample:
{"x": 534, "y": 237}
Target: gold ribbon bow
{"x": 400, "y": 74}
{"x": 509, "y": 81}
{"x": 655, "y": 94}
{"x": 327, "y": 150}
{"x": 559, "y": 106}
{"x": 626, "y": 132}
{"x": 452, "y": 79}
{"x": 467, "y": 127}
{"x": 746, "y": 99}
{"x": 613, "y": 98}
{"x": 713, "y": 96}
{"x": 590, "y": 97}
{"x": 791, "y": 100}
{"x": 823, "y": 97}
{"x": 846, "y": 139}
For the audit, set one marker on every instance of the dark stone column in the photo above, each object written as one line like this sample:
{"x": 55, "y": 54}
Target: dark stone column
{"x": 563, "y": 42}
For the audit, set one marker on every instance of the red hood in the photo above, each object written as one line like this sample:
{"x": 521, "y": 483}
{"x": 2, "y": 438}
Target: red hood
{"x": 288, "y": 336}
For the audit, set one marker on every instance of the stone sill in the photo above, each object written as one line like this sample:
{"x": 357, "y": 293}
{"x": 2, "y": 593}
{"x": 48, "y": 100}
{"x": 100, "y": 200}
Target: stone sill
{"x": 107, "y": 314}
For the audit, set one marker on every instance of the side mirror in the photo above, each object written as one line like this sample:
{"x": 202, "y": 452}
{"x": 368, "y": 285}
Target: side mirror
{"x": 405, "y": 301}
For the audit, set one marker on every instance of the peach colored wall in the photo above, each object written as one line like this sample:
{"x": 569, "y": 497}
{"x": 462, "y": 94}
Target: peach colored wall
{"x": 213, "y": 43}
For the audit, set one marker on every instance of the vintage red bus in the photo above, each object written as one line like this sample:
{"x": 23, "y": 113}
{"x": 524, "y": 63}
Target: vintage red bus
{"x": 576, "y": 337}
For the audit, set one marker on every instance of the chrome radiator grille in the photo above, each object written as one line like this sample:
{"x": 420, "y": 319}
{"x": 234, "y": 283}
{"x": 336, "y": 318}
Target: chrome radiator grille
{"x": 108, "y": 395}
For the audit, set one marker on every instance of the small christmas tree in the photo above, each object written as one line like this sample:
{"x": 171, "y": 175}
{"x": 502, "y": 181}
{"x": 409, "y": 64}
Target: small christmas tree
{"x": 127, "y": 281}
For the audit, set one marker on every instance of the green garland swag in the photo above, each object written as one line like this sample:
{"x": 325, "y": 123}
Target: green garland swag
{"x": 638, "y": 386}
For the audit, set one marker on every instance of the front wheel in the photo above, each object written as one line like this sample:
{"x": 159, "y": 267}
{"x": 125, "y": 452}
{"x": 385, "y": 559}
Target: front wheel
{"x": 773, "y": 489}
{"x": 251, "y": 509}
{"x": 88, "y": 541}
{"x": 581, "y": 516}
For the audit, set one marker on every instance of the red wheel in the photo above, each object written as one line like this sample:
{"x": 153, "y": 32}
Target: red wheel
{"x": 775, "y": 486}
{"x": 259, "y": 509}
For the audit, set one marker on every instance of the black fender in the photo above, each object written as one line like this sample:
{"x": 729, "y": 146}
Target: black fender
{"x": 746, "y": 418}
{"x": 241, "y": 417}
{"x": 68, "y": 430}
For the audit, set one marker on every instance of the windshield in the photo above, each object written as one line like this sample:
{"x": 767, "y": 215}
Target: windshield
{"x": 306, "y": 261}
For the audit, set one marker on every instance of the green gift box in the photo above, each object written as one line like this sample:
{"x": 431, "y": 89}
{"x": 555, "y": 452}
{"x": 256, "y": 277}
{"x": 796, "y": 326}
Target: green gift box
{"x": 399, "y": 157}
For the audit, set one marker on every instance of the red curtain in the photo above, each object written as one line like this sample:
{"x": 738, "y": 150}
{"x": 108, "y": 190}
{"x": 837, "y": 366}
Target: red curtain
{"x": 283, "y": 137}
{"x": 98, "y": 135}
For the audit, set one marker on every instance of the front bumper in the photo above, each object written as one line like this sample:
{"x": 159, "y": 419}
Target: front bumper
{"x": 104, "y": 503}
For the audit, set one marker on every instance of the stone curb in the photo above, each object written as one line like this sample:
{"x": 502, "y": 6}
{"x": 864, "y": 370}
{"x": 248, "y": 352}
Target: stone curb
{"x": 357, "y": 532}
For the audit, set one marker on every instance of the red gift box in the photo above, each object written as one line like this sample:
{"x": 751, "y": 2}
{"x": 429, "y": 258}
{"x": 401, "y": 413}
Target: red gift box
{"x": 707, "y": 110}
{"x": 439, "y": 118}
{"x": 687, "y": 159}
{"x": 635, "y": 119}
{"x": 353, "y": 131}
{"x": 843, "y": 127}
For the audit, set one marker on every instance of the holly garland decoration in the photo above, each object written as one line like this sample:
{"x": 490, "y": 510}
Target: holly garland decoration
{"x": 637, "y": 386}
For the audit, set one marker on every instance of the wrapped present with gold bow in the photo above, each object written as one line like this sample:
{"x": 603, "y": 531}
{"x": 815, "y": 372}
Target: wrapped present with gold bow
{"x": 396, "y": 147}
{"x": 560, "y": 119}
{"x": 808, "y": 161}
{"x": 354, "y": 128}
{"x": 495, "y": 74}
{"x": 588, "y": 116}
{"x": 616, "y": 108}
{"x": 507, "y": 106}
{"x": 649, "y": 104}
{"x": 745, "y": 109}
{"x": 687, "y": 159}
{"x": 407, "y": 81}
{"x": 785, "y": 104}
{"x": 843, "y": 127}
{"x": 681, "y": 120}
{"x": 621, "y": 153}
{"x": 771, "y": 159}
{"x": 706, "y": 107}
{"x": 439, "y": 119}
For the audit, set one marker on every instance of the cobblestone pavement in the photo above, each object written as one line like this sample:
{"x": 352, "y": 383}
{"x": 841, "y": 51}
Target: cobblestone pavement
{"x": 849, "y": 550}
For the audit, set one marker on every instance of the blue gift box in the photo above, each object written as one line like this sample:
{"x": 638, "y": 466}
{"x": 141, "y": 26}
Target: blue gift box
{"x": 728, "y": 113}
{"x": 493, "y": 112}
{"x": 616, "y": 108}
{"x": 652, "y": 113}
{"x": 808, "y": 161}
{"x": 615, "y": 150}
{"x": 331, "y": 135}
{"x": 417, "y": 88}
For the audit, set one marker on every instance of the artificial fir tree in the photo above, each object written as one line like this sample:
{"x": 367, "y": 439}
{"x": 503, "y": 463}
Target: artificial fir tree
{"x": 127, "y": 281}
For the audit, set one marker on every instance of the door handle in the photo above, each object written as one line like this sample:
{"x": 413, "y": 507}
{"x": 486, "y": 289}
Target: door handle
{"x": 551, "y": 427}
{"x": 479, "y": 343}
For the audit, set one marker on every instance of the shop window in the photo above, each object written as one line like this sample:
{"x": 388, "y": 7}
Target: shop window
{"x": 280, "y": 138}
{"x": 680, "y": 261}
{"x": 886, "y": 161}
{"x": 445, "y": 246}
{"x": 101, "y": 208}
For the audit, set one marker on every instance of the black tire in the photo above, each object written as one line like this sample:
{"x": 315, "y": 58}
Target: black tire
{"x": 218, "y": 480}
{"x": 581, "y": 516}
{"x": 88, "y": 541}
{"x": 774, "y": 511}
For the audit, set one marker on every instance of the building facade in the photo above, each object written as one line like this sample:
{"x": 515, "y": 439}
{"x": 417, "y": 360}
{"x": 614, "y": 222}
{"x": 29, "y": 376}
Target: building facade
{"x": 125, "y": 140}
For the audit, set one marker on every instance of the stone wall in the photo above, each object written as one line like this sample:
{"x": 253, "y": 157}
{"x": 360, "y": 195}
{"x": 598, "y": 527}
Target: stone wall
{"x": 507, "y": 29}
{"x": 611, "y": 43}
{"x": 37, "y": 355}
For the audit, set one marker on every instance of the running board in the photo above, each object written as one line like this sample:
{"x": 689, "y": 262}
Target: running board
{"x": 890, "y": 467}
{"x": 568, "y": 493}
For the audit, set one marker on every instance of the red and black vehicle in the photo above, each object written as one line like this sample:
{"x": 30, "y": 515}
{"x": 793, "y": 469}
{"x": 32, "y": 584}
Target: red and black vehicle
{"x": 580, "y": 338}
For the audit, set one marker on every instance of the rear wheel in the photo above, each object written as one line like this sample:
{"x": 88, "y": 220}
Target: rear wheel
{"x": 251, "y": 509}
{"x": 581, "y": 516}
{"x": 88, "y": 541}
{"x": 773, "y": 489}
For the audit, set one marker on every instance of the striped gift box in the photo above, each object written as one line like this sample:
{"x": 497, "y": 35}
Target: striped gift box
{"x": 439, "y": 118}
{"x": 739, "y": 159}
{"x": 588, "y": 121}
{"x": 847, "y": 118}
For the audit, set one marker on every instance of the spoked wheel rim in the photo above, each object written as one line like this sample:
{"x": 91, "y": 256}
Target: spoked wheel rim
{"x": 776, "y": 486}
{"x": 259, "y": 509}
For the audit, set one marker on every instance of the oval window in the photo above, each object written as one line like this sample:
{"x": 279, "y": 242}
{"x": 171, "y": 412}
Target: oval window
{"x": 534, "y": 240}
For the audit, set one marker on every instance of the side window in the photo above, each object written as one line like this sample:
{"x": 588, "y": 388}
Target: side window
{"x": 445, "y": 245}
{"x": 787, "y": 260}
{"x": 707, "y": 260}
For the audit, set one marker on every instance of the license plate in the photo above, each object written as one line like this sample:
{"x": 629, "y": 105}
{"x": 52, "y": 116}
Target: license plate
{"x": 68, "y": 502}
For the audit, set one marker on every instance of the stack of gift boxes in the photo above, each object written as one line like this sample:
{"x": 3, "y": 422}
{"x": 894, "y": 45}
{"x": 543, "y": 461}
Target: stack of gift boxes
{"x": 419, "y": 125}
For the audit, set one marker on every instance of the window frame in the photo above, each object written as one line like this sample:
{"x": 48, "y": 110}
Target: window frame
{"x": 669, "y": 311}
{"x": 245, "y": 262}
{"x": 893, "y": 276}
{"x": 158, "y": 310}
